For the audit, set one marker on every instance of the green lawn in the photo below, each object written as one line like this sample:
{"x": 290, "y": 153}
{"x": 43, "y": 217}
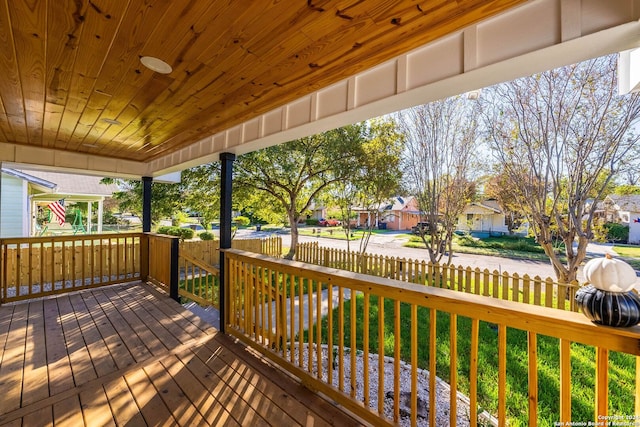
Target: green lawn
{"x": 206, "y": 287}
{"x": 505, "y": 246}
{"x": 621, "y": 371}
{"x": 627, "y": 251}
{"x": 329, "y": 232}
{"x": 630, "y": 254}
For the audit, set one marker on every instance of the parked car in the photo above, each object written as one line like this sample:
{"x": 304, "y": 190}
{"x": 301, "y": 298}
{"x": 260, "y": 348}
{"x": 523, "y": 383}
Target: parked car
{"x": 194, "y": 227}
{"x": 329, "y": 222}
{"x": 420, "y": 228}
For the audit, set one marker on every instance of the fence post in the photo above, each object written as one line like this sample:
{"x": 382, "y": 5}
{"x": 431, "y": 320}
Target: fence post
{"x": 174, "y": 277}
{"x": 144, "y": 257}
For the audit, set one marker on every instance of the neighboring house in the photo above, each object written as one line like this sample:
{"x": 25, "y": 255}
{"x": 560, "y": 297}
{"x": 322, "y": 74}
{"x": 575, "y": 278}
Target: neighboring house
{"x": 398, "y": 213}
{"x": 484, "y": 217}
{"x": 317, "y": 212}
{"x": 624, "y": 210}
{"x": 24, "y": 193}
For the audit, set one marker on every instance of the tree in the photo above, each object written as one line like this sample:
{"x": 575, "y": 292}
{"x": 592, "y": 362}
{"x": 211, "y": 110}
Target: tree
{"x": 200, "y": 188}
{"x": 437, "y": 162}
{"x": 296, "y": 172}
{"x": 375, "y": 178}
{"x": 560, "y": 136}
{"x": 626, "y": 190}
{"x": 498, "y": 188}
{"x": 166, "y": 199}
{"x": 198, "y": 191}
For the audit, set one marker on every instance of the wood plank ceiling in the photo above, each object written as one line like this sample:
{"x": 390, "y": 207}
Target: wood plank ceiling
{"x": 68, "y": 67}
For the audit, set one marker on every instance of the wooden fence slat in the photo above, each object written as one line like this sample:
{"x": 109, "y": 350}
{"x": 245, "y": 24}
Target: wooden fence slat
{"x": 496, "y": 284}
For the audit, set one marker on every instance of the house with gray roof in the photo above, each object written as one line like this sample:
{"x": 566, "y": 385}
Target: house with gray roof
{"x": 625, "y": 210}
{"x": 25, "y": 193}
{"x": 483, "y": 218}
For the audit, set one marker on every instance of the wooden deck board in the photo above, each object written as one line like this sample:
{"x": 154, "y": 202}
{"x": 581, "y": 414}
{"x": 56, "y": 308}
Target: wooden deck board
{"x": 6, "y": 313}
{"x": 153, "y": 408}
{"x": 95, "y": 408}
{"x": 128, "y": 336}
{"x": 13, "y": 361}
{"x": 68, "y": 412}
{"x": 123, "y": 406}
{"x": 35, "y": 381}
{"x": 133, "y": 315}
{"x": 128, "y": 355}
{"x": 42, "y": 417}
{"x": 66, "y": 350}
{"x": 112, "y": 339}
{"x": 184, "y": 411}
{"x": 102, "y": 360}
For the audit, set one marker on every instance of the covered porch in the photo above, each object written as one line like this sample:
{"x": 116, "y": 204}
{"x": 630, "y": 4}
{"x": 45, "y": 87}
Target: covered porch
{"x": 223, "y": 79}
{"x": 130, "y": 355}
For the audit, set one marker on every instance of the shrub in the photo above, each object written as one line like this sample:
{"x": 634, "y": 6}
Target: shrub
{"x": 182, "y": 233}
{"x": 185, "y": 233}
{"x": 242, "y": 220}
{"x": 467, "y": 240}
{"x": 206, "y": 235}
{"x": 164, "y": 229}
{"x": 312, "y": 221}
{"x": 617, "y": 232}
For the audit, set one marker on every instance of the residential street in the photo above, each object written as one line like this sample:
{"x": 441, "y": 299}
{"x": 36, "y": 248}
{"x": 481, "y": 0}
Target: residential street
{"x": 390, "y": 244}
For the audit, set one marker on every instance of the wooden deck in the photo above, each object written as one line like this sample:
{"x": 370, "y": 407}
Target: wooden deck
{"x": 129, "y": 355}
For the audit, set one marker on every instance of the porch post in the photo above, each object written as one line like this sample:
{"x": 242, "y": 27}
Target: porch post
{"x": 89, "y": 215}
{"x": 226, "y": 181}
{"x": 100, "y": 214}
{"x": 174, "y": 279}
{"x": 146, "y": 203}
{"x": 146, "y": 228}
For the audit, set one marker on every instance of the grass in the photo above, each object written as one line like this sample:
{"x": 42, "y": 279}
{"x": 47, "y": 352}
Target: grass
{"x": 329, "y": 232}
{"x": 627, "y": 251}
{"x": 630, "y": 254}
{"x": 206, "y": 287}
{"x": 505, "y": 246}
{"x": 621, "y": 366}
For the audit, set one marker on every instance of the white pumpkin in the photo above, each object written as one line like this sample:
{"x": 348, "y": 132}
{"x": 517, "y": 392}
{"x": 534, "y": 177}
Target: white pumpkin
{"x": 609, "y": 274}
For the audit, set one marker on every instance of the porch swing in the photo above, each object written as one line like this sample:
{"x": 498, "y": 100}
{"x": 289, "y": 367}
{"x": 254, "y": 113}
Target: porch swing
{"x": 77, "y": 225}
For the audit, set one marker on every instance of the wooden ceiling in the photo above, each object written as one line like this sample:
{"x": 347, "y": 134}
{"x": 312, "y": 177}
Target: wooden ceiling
{"x": 67, "y": 65}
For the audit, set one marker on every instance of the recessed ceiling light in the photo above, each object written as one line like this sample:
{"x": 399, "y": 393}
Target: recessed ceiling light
{"x": 155, "y": 64}
{"x": 112, "y": 121}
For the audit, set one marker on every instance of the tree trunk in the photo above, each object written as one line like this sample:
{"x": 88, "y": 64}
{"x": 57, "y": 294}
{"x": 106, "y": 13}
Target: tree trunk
{"x": 293, "y": 221}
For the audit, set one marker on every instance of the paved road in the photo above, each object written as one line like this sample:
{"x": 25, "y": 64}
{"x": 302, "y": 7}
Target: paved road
{"x": 390, "y": 244}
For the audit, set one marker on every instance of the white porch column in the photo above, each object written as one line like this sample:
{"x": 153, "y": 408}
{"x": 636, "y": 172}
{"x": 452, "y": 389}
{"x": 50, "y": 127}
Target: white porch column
{"x": 629, "y": 71}
{"x": 89, "y": 215}
{"x": 100, "y": 203}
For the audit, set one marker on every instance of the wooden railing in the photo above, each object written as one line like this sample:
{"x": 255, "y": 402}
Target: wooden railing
{"x": 328, "y": 326}
{"x": 538, "y": 291}
{"x": 160, "y": 247}
{"x": 199, "y": 281}
{"x": 40, "y": 266}
{"x": 208, "y": 251}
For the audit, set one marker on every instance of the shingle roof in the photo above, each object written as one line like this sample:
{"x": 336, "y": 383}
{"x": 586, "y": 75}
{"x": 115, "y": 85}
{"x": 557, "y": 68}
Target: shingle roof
{"x": 73, "y": 185}
{"x": 490, "y": 204}
{"x": 630, "y": 203}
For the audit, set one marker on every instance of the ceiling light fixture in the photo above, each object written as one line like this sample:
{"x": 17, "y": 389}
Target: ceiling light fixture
{"x": 155, "y": 64}
{"x": 112, "y": 121}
